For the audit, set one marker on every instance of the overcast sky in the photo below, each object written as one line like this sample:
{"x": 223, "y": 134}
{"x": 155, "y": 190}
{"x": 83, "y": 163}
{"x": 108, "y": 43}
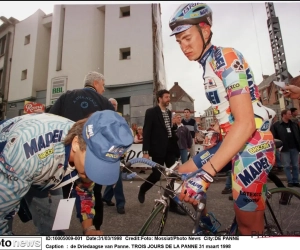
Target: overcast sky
{"x": 242, "y": 26}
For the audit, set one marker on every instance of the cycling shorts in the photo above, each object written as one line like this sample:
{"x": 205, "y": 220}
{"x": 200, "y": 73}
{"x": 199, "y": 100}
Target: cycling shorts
{"x": 250, "y": 169}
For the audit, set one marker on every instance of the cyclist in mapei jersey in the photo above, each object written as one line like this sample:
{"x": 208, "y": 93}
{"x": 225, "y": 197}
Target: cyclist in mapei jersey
{"x": 230, "y": 88}
{"x": 48, "y": 151}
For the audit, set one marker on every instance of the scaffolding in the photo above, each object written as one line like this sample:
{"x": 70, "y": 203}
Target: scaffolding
{"x": 278, "y": 53}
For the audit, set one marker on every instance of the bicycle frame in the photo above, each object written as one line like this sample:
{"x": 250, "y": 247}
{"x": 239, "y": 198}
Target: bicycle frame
{"x": 199, "y": 227}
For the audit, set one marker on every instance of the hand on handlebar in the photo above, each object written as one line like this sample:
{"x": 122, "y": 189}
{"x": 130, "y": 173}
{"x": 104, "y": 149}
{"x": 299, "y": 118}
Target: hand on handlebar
{"x": 195, "y": 188}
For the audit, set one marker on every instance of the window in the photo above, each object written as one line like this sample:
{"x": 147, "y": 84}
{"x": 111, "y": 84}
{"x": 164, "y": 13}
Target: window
{"x": 265, "y": 94}
{"x": 124, "y": 53}
{"x": 2, "y": 45}
{"x": 27, "y": 40}
{"x": 173, "y": 94}
{"x": 125, "y": 11}
{"x": 24, "y": 74}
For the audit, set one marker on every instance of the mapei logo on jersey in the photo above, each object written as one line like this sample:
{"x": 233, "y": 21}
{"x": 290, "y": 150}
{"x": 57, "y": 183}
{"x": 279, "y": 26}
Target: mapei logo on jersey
{"x": 42, "y": 142}
{"x": 253, "y": 171}
{"x": 189, "y": 6}
{"x": 213, "y": 97}
{"x": 254, "y": 150}
{"x": 265, "y": 126}
{"x": 219, "y": 58}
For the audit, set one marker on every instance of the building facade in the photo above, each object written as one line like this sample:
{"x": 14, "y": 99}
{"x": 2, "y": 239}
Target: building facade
{"x": 269, "y": 93}
{"x": 29, "y": 68}
{"x": 121, "y": 41}
{"x": 7, "y": 31}
{"x": 180, "y": 100}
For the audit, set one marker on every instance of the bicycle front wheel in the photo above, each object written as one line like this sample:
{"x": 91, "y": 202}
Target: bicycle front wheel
{"x": 156, "y": 221}
{"x": 282, "y": 212}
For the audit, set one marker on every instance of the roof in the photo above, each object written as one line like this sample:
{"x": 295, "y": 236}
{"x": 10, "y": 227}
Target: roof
{"x": 295, "y": 81}
{"x": 267, "y": 81}
{"x": 177, "y": 98}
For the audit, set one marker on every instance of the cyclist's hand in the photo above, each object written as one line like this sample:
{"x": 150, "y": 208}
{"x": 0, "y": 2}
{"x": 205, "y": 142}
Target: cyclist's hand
{"x": 146, "y": 156}
{"x": 195, "y": 188}
{"x": 293, "y": 91}
{"x": 94, "y": 232}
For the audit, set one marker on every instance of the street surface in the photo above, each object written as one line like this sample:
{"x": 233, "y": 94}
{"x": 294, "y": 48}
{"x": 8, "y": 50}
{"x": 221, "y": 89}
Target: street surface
{"x": 136, "y": 213}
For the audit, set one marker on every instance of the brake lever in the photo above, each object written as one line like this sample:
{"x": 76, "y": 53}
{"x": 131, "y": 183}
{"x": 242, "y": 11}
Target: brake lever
{"x": 200, "y": 208}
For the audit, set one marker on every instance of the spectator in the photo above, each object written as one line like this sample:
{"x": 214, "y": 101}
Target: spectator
{"x": 139, "y": 136}
{"x": 200, "y": 136}
{"x": 289, "y": 133}
{"x": 185, "y": 140}
{"x": 159, "y": 142}
{"x": 134, "y": 128}
{"x": 78, "y": 104}
{"x": 117, "y": 189}
{"x": 191, "y": 124}
{"x": 294, "y": 113}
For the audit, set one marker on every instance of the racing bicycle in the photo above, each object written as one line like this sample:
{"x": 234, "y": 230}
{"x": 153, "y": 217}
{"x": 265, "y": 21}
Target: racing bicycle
{"x": 281, "y": 214}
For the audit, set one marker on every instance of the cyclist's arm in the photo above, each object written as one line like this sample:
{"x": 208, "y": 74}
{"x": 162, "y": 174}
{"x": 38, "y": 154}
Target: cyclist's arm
{"x": 244, "y": 125}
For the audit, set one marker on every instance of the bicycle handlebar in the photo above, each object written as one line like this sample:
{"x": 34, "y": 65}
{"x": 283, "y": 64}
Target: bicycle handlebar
{"x": 202, "y": 202}
{"x": 156, "y": 165}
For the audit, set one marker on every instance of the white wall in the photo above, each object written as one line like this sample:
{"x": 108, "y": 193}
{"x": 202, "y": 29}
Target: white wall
{"x": 5, "y": 84}
{"x": 160, "y": 65}
{"x": 83, "y": 44}
{"x": 135, "y": 32}
{"x": 41, "y": 57}
{"x": 25, "y": 56}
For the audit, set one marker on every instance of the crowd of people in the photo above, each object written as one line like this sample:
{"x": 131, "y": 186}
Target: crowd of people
{"x": 76, "y": 147}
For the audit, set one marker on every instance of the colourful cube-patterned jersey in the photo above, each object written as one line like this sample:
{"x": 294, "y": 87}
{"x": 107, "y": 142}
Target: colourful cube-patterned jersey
{"x": 227, "y": 74}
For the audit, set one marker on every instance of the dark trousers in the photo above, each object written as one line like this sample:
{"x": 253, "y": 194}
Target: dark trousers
{"x": 116, "y": 191}
{"x": 154, "y": 177}
{"x": 98, "y": 218}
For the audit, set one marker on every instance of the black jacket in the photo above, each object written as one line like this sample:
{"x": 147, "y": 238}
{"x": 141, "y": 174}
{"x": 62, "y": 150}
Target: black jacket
{"x": 155, "y": 134}
{"x": 78, "y": 104}
{"x": 279, "y": 132}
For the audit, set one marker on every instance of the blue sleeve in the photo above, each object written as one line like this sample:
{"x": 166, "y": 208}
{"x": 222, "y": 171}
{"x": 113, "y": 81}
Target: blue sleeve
{"x": 203, "y": 157}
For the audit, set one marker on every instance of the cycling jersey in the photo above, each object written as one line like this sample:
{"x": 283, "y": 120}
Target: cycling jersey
{"x": 226, "y": 74}
{"x": 33, "y": 154}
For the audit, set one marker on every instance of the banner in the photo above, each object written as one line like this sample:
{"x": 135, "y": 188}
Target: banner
{"x": 33, "y": 107}
{"x": 135, "y": 151}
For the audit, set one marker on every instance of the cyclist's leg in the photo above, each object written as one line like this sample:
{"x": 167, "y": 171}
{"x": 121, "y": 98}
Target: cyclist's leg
{"x": 250, "y": 171}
